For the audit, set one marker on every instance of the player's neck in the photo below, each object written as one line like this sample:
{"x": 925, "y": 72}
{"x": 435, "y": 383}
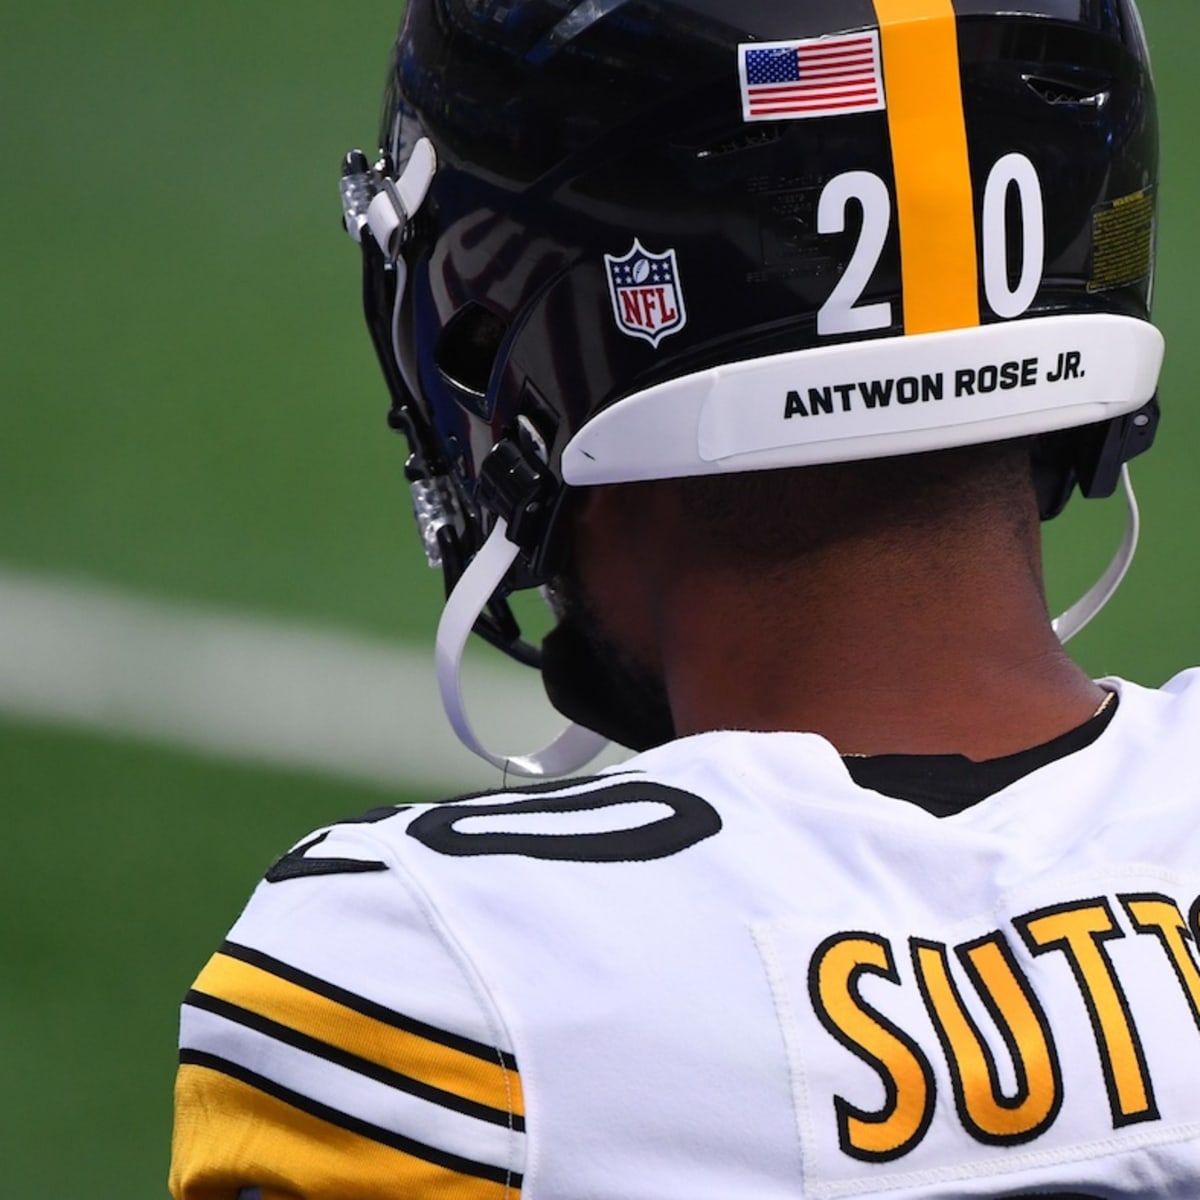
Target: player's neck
{"x": 883, "y": 649}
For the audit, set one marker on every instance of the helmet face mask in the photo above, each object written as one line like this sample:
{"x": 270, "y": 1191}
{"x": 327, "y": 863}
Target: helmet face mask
{"x": 651, "y": 246}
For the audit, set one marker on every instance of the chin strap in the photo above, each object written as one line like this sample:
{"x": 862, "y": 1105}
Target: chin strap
{"x": 574, "y": 746}
{"x": 1097, "y": 596}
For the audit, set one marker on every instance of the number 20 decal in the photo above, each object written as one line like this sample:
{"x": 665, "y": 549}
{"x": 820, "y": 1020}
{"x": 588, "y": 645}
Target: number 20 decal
{"x": 842, "y": 312}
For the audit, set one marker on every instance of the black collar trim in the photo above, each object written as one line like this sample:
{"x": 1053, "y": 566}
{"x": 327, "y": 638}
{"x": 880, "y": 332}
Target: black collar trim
{"x": 945, "y": 784}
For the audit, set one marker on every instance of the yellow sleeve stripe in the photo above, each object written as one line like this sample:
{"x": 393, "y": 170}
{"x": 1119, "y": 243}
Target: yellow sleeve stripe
{"x": 234, "y": 1129}
{"x": 314, "y": 1009}
{"x": 352, "y": 1062}
{"x": 934, "y": 198}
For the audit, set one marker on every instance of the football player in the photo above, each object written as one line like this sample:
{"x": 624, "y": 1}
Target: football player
{"x": 761, "y": 335}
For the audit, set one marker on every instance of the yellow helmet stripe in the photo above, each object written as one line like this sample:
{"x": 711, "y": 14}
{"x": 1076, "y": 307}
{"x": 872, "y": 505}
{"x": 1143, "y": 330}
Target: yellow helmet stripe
{"x": 934, "y": 200}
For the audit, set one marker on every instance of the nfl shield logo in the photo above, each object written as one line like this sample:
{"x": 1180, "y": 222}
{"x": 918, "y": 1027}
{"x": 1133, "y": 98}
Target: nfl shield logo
{"x": 646, "y": 296}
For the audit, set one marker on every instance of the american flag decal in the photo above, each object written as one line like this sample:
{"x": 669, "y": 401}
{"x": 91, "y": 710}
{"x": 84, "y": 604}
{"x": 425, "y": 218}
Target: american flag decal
{"x": 818, "y": 77}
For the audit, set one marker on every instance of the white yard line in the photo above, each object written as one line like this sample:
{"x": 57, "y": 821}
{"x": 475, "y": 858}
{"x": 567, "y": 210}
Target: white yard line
{"x": 245, "y": 687}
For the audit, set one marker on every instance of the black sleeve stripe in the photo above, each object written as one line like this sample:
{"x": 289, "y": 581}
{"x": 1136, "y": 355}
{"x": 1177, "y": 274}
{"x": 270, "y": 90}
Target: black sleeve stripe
{"x": 368, "y": 1008}
{"x": 385, "y": 1137}
{"x": 352, "y": 1062}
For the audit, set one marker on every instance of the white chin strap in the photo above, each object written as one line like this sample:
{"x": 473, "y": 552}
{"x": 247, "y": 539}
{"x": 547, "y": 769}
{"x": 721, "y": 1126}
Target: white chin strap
{"x": 1098, "y": 595}
{"x": 575, "y": 746}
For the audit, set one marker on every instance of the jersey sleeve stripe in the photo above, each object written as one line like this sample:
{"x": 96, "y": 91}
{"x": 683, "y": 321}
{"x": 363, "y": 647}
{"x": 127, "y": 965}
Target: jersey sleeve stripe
{"x": 368, "y": 1008}
{"x": 352, "y": 1062}
{"x": 348, "y": 1023}
{"x": 236, "y": 1128}
{"x": 364, "y": 1099}
{"x": 352, "y": 1124}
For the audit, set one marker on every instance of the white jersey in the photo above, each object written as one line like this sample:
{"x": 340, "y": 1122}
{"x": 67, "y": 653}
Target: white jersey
{"x": 722, "y": 969}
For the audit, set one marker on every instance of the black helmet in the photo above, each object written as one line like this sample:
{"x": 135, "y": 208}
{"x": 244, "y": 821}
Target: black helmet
{"x": 611, "y": 240}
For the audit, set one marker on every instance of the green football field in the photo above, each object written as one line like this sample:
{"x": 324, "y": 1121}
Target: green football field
{"x": 192, "y": 438}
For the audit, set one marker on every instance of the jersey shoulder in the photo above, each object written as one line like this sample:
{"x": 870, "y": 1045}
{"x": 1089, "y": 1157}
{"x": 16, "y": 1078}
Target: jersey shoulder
{"x": 346, "y": 1032}
{"x": 340, "y": 1042}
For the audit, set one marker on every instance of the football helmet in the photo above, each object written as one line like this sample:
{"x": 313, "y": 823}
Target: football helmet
{"x": 615, "y": 240}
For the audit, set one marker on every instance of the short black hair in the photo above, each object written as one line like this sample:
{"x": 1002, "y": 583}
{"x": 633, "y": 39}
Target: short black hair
{"x": 764, "y": 518}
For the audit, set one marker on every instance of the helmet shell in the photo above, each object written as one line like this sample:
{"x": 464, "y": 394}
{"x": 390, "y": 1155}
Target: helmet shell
{"x": 570, "y": 135}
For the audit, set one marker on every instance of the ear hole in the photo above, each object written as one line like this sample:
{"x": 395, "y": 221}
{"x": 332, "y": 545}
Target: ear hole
{"x": 1082, "y": 92}
{"x": 467, "y": 348}
{"x": 745, "y": 137}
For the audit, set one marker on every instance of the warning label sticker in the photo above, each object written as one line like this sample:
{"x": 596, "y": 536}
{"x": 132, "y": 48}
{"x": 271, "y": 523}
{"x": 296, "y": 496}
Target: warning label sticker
{"x": 1122, "y": 241}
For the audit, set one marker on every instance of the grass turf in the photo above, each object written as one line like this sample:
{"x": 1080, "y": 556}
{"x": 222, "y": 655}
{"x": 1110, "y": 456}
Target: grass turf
{"x": 191, "y": 409}
{"x": 125, "y": 868}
